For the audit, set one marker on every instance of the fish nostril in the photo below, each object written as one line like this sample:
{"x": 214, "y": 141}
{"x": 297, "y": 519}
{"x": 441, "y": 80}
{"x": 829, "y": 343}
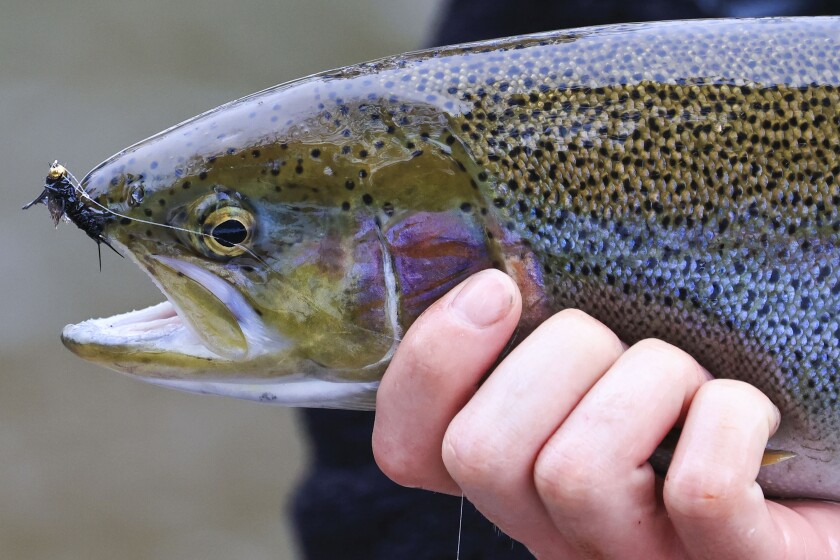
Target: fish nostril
{"x": 135, "y": 197}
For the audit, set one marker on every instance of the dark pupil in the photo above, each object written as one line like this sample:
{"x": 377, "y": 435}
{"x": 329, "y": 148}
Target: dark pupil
{"x": 230, "y": 233}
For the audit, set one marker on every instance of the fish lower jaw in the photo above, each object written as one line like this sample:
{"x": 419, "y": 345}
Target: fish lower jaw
{"x": 134, "y": 342}
{"x": 156, "y": 329}
{"x": 292, "y": 390}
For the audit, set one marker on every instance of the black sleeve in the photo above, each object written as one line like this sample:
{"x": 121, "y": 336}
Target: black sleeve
{"x": 473, "y": 20}
{"x": 347, "y": 509}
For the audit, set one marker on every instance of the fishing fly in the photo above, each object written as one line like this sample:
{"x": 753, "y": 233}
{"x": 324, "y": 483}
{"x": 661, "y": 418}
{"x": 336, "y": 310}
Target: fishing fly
{"x": 66, "y": 200}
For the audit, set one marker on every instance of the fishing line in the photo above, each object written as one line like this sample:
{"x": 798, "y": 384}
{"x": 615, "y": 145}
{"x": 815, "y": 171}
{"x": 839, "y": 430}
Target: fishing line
{"x": 460, "y": 529}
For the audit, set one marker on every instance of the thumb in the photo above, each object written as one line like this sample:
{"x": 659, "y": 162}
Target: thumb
{"x": 435, "y": 371}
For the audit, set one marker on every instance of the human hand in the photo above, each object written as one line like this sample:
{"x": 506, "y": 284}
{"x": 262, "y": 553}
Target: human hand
{"x": 553, "y": 446}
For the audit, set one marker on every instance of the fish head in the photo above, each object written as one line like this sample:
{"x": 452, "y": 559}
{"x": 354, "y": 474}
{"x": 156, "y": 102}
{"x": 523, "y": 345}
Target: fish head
{"x": 292, "y": 256}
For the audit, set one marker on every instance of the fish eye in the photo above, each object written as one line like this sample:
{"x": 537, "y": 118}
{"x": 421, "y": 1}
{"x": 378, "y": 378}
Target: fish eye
{"x": 228, "y": 230}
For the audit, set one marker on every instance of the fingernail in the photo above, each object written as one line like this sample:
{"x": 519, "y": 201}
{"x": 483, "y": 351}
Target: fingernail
{"x": 486, "y": 299}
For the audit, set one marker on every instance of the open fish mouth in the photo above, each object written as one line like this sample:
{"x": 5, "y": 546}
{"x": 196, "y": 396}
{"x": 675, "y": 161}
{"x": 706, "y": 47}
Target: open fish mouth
{"x": 158, "y": 331}
{"x": 156, "y": 345}
{"x": 206, "y": 338}
{"x": 204, "y": 317}
{"x": 157, "y": 328}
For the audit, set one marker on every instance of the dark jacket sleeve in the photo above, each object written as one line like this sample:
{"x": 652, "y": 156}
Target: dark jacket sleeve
{"x": 347, "y": 509}
{"x": 474, "y": 20}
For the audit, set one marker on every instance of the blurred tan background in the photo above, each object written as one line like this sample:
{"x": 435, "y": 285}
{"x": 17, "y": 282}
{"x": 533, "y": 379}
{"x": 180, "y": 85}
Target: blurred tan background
{"x": 94, "y": 465}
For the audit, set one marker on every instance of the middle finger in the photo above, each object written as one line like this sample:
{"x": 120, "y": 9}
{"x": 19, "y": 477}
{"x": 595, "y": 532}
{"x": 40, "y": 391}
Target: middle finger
{"x": 600, "y": 455}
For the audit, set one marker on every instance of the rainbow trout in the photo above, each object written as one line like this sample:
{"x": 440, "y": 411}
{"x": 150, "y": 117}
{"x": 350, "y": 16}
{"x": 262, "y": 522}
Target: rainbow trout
{"x": 676, "y": 180}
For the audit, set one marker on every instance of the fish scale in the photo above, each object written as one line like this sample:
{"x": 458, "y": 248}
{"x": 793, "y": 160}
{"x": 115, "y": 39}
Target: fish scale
{"x": 677, "y": 180}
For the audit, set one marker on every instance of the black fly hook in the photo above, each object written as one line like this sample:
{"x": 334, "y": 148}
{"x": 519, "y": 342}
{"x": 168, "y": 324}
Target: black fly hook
{"x": 63, "y": 199}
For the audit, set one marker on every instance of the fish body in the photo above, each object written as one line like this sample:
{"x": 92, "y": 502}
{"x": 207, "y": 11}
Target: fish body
{"x": 677, "y": 180}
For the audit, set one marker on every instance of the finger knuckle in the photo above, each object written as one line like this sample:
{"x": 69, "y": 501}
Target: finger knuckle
{"x": 472, "y": 456}
{"x": 740, "y": 397}
{"x": 396, "y": 463}
{"x": 661, "y": 352}
{"x": 562, "y": 476}
{"x": 700, "y": 493}
{"x": 587, "y": 326}
{"x": 735, "y": 391}
{"x": 660, "y": 347}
